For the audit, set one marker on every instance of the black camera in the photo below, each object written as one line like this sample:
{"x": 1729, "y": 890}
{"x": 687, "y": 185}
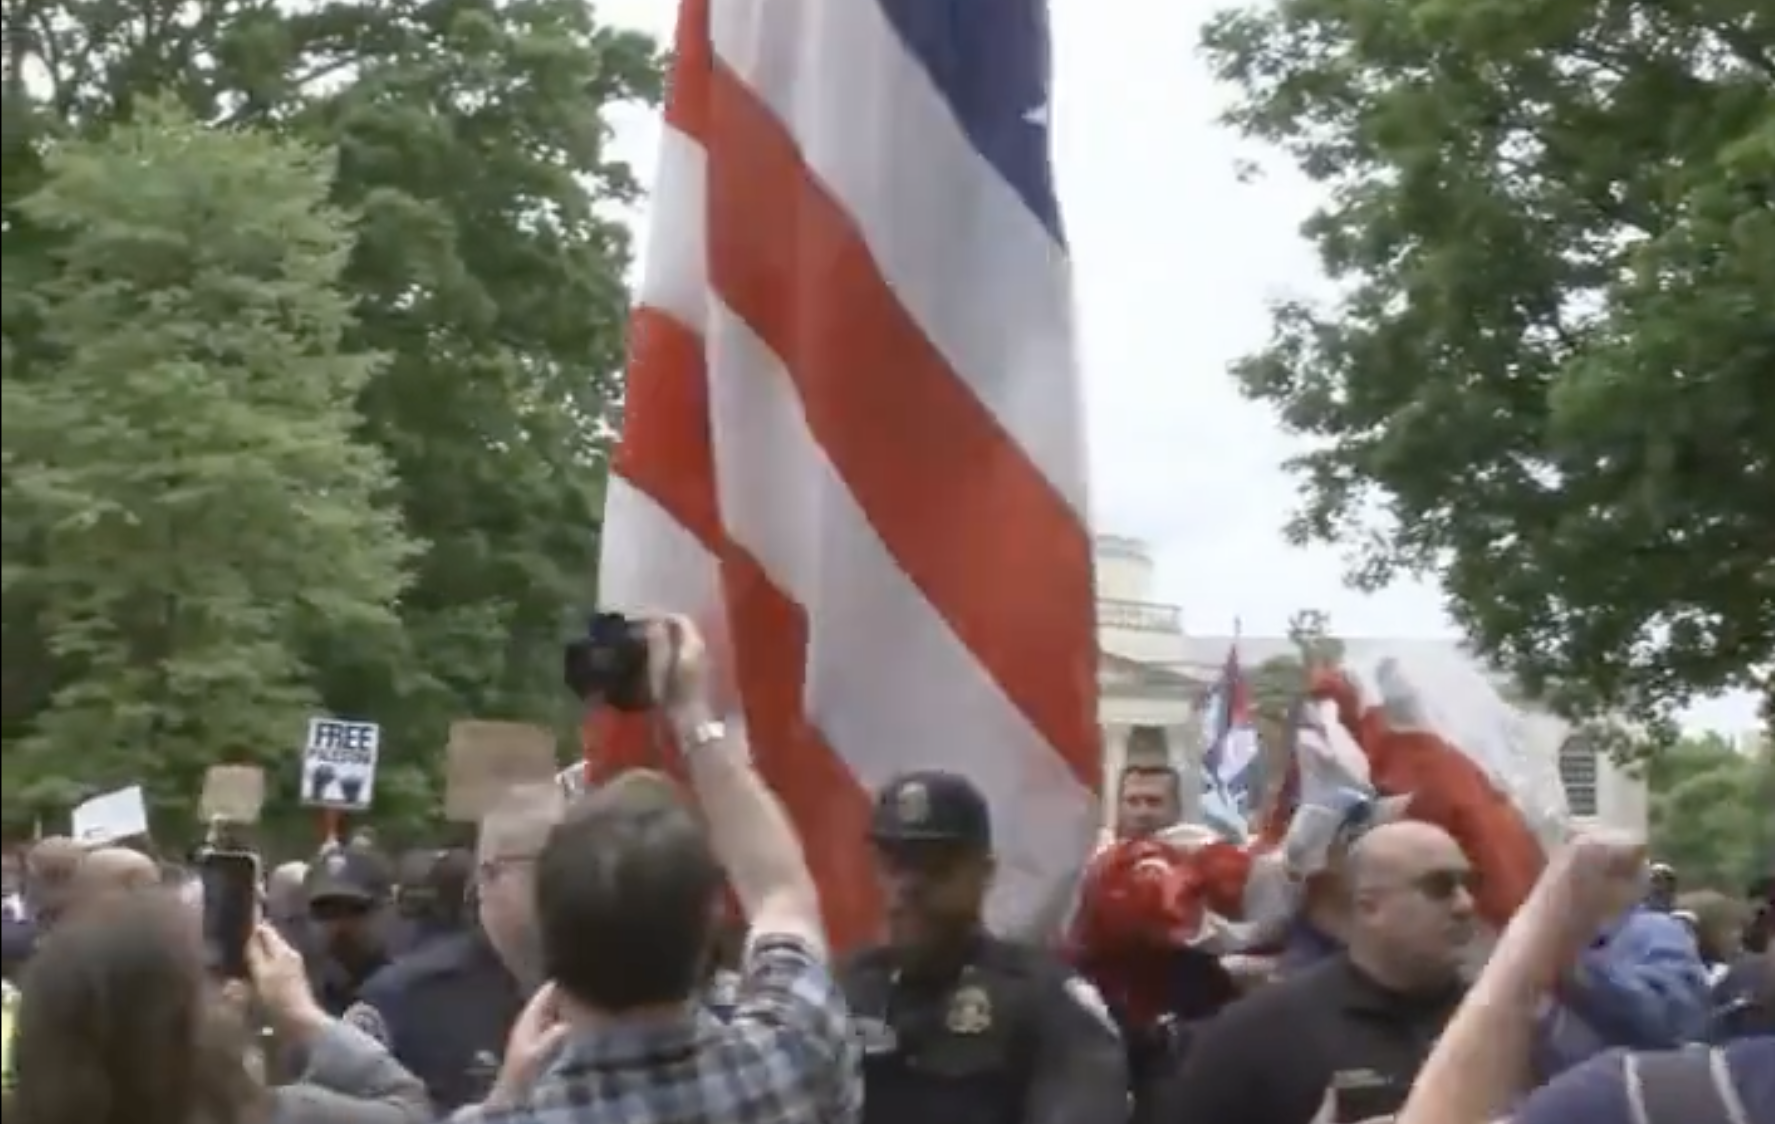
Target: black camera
{"x": 609, "y": 663}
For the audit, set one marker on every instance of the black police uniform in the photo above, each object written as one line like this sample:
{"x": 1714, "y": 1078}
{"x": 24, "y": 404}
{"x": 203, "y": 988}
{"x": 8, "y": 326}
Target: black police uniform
{"x": 444, "y": 1011}
{"x": 1010, "y": 1036}
{"x": 1745, "y": 1000}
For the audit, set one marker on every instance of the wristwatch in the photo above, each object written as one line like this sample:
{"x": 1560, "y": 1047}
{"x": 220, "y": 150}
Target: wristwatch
{"x": 701, "y": 735}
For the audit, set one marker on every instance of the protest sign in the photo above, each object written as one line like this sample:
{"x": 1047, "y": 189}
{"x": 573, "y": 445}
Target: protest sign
{"x": 235, "y": 793}
{"x": 485, "y": 760}
{"x": 111, "y": 817}
{"x": 339, "y": 764}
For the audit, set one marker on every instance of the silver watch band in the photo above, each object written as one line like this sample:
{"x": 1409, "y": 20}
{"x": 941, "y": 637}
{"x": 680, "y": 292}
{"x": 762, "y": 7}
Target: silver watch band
{"x": 701, "y": 734}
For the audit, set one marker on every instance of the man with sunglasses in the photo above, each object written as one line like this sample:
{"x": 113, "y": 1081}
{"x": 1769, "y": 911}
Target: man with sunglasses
{"x": 1354, "y": 1029}
{"x": 958, "y": 1026}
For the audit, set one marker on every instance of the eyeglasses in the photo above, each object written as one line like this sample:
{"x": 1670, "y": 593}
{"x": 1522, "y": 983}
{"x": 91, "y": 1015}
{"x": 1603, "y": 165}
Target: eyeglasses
{"x": 489, "y": 869}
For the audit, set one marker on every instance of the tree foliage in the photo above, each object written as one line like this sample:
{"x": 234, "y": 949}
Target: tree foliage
{"x": 1552, "y": 228}
{"x": 198, "y": 502}
{"x": 1278, "y": 683}
{"x": 484, "y": 273}
{"x": 1711, "y": 812}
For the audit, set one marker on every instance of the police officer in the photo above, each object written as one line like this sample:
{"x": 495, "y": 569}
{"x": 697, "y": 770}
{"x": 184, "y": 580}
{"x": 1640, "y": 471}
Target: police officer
{"x": 446, "y": 1008}
{"x": 432, "y": 896}
{"x": 444, "y": 1011}
{"x": 348, "y": 893}
{"x": 1745, "y": 995}
{"x": 958, "y": 1026}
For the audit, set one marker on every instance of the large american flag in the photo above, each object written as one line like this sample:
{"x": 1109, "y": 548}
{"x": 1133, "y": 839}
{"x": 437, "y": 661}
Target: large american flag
{"x": 852, "y": 439}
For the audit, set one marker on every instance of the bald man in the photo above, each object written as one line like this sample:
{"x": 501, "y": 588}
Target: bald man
{"x": 1358, "y": 1026}
{"x": 1411, "y": 909}
{"x": 112, "y": 870}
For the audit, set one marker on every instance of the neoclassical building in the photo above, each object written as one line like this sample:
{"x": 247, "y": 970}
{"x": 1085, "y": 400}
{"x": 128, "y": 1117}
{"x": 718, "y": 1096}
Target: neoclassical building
{"x": 1155, "y": 676}
{"x": 1151, "y": 704}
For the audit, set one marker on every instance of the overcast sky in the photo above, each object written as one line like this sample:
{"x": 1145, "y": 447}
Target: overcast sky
{"x": 1176, "y": 262}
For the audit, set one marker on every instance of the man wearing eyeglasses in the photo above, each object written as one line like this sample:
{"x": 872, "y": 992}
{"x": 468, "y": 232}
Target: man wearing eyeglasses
{"x": 1342, "y": 1041}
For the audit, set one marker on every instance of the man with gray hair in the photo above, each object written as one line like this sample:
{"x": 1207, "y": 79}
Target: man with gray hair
{"x": 445, "y": 1010}
{"x": 627, "y": 895}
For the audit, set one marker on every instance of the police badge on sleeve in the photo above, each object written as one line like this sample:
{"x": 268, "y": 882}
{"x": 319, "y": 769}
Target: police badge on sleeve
{"x": 368, "y": 1020}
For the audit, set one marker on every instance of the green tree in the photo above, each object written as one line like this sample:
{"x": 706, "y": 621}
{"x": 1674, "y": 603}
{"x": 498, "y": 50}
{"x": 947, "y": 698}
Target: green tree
{"x": 188, "y": 462}
{"x": 1552, "y": 228}
{"x": 1708, "y": 808}
{"x": 487, "y": 273}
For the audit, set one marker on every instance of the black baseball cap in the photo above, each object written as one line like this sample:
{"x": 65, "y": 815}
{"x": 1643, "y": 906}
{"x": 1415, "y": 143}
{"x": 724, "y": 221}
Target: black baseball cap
{"x": 347, "y": 876}
{"x": 932, "y": 806}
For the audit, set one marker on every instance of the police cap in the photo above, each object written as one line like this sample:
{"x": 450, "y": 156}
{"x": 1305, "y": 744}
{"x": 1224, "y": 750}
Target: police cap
{"x": 932, "y": 807}
{"x": 347, "y": 879}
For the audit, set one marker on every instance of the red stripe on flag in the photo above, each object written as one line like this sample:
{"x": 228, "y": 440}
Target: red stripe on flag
{"x": 693, "y": 60}
{"x": 830, "y": 810}
{"x": 667, "y": 450}
{"x": 1448, "y": 789}
{"x": 666, "y": 454}
{"x": 970, "y": 520}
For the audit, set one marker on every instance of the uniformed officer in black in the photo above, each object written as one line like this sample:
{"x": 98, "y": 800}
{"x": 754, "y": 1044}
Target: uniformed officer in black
{"x": 958, "y": 1026}
{"x": 1745, "y": 995}
{"x": 433, "y": 891}
{"x": 444, "y": 1011}
{"x": 346, "y": 942}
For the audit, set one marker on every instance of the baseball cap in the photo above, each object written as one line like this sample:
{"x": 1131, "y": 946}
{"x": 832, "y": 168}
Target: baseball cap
{"x": 347, "y": 876}
{"x": 932, "y": 806}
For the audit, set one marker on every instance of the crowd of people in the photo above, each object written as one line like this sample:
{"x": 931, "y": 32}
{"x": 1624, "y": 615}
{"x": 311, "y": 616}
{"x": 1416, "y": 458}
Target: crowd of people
{"x": 651, "y": 951}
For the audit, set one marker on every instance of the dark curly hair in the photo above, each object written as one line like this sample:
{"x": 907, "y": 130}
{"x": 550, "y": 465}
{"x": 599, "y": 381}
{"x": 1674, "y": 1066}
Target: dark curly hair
{"x": 118, "y": 1024}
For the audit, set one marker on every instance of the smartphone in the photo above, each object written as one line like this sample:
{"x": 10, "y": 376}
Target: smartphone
{"x": 230, "y": 909}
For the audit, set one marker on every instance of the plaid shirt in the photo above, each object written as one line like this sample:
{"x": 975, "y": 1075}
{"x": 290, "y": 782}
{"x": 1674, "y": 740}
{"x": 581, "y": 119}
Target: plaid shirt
{"x": 786, "y": 1055}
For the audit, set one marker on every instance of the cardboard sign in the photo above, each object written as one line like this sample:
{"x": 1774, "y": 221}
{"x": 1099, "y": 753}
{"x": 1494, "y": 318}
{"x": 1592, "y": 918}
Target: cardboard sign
{"x": 486, "y": 760}
{"x": 110, "y": 817}
{"x": 235, "y": 793}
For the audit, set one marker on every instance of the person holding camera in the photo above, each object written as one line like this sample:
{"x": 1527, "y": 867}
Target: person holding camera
{"x": 628, "y": 889}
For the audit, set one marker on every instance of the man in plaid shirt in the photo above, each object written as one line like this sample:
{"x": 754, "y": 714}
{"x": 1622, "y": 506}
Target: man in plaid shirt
{"x": 626, "y": 895}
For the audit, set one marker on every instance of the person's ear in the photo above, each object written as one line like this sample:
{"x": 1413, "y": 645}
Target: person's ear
{"x": 986, "y": 869}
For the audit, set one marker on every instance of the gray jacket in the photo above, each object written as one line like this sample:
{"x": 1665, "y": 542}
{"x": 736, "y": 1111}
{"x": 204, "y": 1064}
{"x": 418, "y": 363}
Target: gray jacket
{"x": 351, "y": 1079}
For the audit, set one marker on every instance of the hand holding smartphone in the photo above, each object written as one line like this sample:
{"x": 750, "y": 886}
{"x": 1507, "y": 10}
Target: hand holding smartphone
{"x": 230, "y": 909}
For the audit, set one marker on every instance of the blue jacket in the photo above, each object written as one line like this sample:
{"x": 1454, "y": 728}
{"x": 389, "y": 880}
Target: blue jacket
{"x": 1641, "y": 986}
{"x": 1303, "y": 947}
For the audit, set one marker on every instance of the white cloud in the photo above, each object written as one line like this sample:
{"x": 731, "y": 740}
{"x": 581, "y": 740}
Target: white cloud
{"x": 1176, "y": 263}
